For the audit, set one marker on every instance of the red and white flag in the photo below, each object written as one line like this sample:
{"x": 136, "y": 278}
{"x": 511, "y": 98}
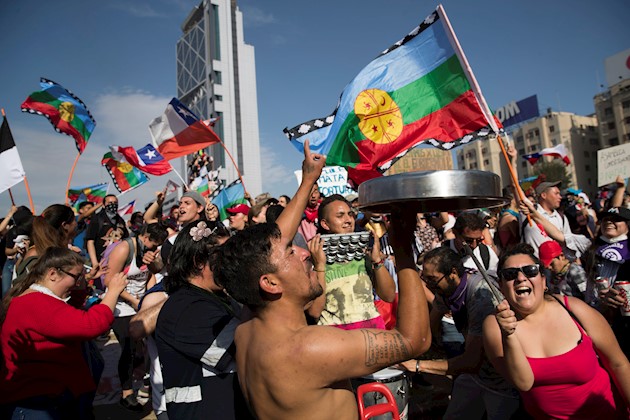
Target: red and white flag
{"x": 128, "y": 209}
{"x": 178, "y": 132}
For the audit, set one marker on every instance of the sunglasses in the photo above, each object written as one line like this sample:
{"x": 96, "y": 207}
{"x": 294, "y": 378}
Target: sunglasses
{"x": 512, "y": 273}
{"x": 472, "y": 241}
{"x": 431, "y": 281}
{"x": 76, "y": 277}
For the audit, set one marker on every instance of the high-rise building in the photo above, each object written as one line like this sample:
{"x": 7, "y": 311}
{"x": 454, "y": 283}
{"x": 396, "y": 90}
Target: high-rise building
{"x": 216, "y": 77}
{"x": 579, "y": 134}
{"x": 613, "y": 112}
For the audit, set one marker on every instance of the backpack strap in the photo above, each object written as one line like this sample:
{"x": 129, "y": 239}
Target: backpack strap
{"x": 485, "y": 255}
{"x": 132, "y": 252}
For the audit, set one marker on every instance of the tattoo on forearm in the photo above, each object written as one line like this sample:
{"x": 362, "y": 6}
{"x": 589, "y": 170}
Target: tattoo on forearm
{"x": 385, "y": 347}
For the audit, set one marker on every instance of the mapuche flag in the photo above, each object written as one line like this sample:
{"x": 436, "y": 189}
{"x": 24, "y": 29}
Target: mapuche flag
{"x": 125, "y": 176}
{"x": 416, "y": 91}
{"x": 94, "y": 193}
{"x": 225, "y": 198}
{"x": 147, "y": 159}
{"x": 178, "y": 132}
{"x": 65, "y": 111}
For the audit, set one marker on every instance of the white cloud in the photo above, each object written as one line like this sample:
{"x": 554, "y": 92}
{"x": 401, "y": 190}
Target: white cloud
{"x": 121, "y": 119}
{"x": 253, "y": 16}
{"x": 278, "y": 178}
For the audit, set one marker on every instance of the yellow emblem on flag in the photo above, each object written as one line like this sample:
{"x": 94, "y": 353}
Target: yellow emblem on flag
{"x": 380, "y": 119}
{"x": 125, "y": 167}
{"x": 66, "y": 111}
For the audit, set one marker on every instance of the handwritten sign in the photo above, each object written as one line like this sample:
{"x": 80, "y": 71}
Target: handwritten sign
{"x": 611, "y": 162}
{"x": 333, "y": 180}
{"x": 421, "y": 159}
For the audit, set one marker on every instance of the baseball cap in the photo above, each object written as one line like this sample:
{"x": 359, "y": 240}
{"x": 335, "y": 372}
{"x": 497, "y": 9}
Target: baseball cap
{"x": 548, "y": 251}
{"x": 622, "y": 212}
{"x": 239, "y": 208}
{"x": 544, "y": 185}
{"x": 351, "y": 197}
{"x": 195, "y": 196}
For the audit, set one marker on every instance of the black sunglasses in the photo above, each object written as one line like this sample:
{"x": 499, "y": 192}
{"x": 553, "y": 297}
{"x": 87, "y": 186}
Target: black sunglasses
{"x": 76, "y": 277}
{"x": 512, "y": 273}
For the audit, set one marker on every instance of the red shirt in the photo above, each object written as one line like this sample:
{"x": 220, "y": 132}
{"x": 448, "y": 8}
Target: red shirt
{"x": 41, "y": 345}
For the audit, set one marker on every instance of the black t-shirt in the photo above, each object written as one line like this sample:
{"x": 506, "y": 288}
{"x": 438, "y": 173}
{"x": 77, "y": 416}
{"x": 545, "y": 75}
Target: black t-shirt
{"x": 195, "y": 341}
{"x": 99, "y": 226}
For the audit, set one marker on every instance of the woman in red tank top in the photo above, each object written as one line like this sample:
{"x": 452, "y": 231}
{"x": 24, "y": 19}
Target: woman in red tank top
{"x": 549, "y": 347}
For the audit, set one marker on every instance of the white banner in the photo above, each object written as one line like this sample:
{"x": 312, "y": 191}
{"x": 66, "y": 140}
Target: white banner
{"x": 612, "y": 162}
{"x": 333, "y": 180}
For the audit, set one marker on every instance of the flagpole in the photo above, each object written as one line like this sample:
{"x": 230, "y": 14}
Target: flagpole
{"x": 74, "y": 165}
{"x": 485, "y": 109}
{"x": 230, "y": 156}
{"x": 28, "y": 189}
{"x": 467, "y": 70}
{"x": 11, "y": 195}
{"x": 177, "y": 173}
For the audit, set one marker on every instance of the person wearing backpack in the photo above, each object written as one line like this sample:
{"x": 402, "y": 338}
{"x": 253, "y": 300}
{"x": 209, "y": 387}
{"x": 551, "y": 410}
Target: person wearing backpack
{"x": 469, "y": 229}
{"x": 131, "y": 256}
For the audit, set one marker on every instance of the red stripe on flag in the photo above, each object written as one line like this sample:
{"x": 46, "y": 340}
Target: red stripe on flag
{"x": 447, "y": 124}
{"x": 188, "y": 141}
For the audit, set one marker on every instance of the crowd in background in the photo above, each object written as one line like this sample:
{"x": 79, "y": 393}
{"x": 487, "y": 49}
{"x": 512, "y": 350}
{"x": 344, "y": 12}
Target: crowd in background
{"x": 558, "y": 259}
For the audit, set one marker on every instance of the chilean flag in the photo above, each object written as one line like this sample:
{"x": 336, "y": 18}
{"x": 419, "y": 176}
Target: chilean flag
{"x": 558, "y": 151}
{"x": 178, "y": 132}
{"x": 128, "y": 209}
{"x": 146, "y": 159}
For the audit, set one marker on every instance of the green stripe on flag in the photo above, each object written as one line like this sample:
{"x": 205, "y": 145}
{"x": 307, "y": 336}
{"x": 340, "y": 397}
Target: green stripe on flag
{"x": 46, "y": 98}
{"x": 416, "y": 100}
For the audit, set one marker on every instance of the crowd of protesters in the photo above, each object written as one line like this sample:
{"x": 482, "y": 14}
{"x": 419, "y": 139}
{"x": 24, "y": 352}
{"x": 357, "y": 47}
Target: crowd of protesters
{"x": 260, "y": 315}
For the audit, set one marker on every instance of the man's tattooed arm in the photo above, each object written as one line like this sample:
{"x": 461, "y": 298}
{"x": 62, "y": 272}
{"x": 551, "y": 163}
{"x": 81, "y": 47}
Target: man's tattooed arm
{"x": 385, "y": 347}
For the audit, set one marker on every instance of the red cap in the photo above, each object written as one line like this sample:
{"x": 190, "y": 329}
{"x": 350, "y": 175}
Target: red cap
{"x": 239, "y": 208}
{"x": 548, "y": 251}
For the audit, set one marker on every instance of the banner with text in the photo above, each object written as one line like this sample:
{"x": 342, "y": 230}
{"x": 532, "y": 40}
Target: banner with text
{"x": 611, "y": 162}
{"x": 333, "y": 180}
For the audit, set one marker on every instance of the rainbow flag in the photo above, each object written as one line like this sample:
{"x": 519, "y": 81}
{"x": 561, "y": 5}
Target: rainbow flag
{"x": 225, "y": 198}
{"x": 65, "y": 111}
{"x": 125, "y": 176}
{"x": 416, "y": 91}
{"x": 94, "y": 193}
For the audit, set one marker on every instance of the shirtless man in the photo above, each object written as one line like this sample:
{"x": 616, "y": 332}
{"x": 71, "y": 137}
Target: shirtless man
{"x": 288, "y": 369}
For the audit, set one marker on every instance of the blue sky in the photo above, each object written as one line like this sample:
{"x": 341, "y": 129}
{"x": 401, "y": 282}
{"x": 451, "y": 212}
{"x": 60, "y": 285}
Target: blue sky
{"x": 119, "y": 57}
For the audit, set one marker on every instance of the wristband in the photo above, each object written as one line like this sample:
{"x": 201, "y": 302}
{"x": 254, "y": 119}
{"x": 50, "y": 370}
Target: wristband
{"x": 378, "y": 264}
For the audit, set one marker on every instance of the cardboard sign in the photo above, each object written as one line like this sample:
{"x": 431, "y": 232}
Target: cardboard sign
{"x": 611, "y": 162}
{"x": 333, "y": 180}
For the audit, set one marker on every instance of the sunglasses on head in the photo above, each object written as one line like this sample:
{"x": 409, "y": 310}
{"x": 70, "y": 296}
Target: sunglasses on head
{"x": 512, "y": 273}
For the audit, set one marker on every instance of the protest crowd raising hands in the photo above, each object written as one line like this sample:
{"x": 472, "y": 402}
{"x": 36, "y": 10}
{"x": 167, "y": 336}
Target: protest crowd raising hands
{"x": 212, "y": 303}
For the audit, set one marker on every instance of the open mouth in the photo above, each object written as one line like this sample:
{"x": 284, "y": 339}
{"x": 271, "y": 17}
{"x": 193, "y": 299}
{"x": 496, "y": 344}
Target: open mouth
{"x": 523, "y": 291}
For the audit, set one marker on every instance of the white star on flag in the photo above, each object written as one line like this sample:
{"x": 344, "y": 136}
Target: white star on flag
{"x": 150, "y": 154}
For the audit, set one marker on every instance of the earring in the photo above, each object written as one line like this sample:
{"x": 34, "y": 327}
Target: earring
{"x": 546, "y": 289}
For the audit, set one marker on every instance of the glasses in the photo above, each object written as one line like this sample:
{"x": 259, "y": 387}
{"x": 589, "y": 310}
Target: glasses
{"x": 77, "y": 277}
{"x": 512, "y": 273}
{"x": 472, "y": 241}
{"x": 430, "y": 281}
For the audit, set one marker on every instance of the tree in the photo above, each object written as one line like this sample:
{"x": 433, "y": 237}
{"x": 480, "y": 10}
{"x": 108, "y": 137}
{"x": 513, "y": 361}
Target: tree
{"x": 554, "y": 171}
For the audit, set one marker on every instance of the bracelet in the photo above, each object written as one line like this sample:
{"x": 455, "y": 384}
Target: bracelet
{"x": 377, "y": 266}
{"x": 417, "y": 365}
{"x": 319, "y": 271}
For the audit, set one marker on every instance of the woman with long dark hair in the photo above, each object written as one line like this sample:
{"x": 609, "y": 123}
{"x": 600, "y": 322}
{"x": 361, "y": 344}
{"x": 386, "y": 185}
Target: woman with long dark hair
{"x": 44, "y": 373}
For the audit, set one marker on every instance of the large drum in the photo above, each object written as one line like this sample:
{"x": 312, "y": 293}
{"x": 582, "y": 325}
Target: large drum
{"x": 398, "y": 384}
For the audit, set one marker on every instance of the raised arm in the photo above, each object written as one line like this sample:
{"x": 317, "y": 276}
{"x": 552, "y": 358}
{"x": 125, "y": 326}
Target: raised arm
{"x": 150, "y": 216}
{"x": 289, "y": 219}
{"x": 336, "y": 354}
{"x": 617, "y": 198}
{"x": 504, "y": 349}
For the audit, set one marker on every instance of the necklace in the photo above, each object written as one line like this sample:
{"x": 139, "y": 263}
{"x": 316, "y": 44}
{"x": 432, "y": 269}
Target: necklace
{"x": 45, "y": 290}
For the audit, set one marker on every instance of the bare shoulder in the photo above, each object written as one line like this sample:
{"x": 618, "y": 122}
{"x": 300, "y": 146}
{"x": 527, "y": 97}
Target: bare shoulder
{"x": 351, "y": 353}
